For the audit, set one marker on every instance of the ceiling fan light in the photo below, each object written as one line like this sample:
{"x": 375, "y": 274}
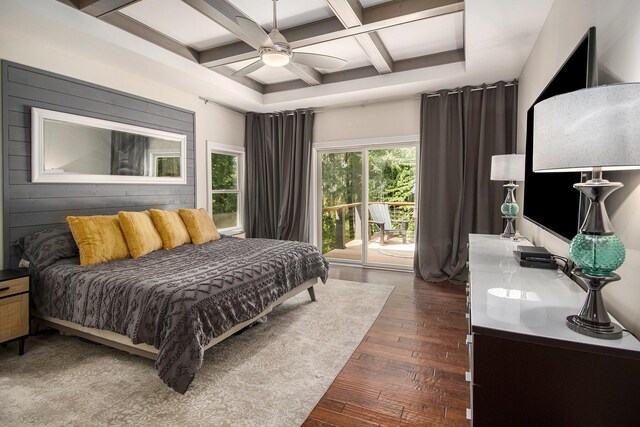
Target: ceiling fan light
{"x": 275, "y": 58}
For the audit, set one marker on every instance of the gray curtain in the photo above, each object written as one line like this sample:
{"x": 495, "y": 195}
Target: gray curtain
{"x": 278, "y": 150}
{"x": 459, "y": 132}
{"x": 128, "y": 152}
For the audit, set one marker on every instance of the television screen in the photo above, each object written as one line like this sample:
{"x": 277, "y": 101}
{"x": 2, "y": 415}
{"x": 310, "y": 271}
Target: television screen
{"x": 550, "y": 201}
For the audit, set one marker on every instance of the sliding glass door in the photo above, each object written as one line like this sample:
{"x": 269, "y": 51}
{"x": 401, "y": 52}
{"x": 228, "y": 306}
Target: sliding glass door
{"x": 366, "y": 211}
{"x": 342, "y": 204}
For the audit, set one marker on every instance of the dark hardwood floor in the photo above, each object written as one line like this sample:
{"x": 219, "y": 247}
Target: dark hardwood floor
{"x": 410, "y": 367}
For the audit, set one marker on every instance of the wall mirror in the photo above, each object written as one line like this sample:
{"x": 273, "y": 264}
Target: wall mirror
{"x": 72, "y": 148}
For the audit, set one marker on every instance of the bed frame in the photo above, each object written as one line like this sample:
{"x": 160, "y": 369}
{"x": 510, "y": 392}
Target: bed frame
{"x": 123, "y": 342}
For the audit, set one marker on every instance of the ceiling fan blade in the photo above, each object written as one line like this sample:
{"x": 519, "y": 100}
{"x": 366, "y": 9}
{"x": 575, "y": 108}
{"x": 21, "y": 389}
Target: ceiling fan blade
{"x": 249, "y": 68}
{"x": 318, "y": 61}
{"x": 254, "y": 31}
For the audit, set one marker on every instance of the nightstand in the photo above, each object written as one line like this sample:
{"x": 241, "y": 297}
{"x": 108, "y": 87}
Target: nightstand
{"x": 14, "y": 307}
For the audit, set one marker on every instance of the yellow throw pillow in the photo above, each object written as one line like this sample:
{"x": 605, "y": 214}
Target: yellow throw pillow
{"x": 140, "y": 233}
{"x": 99, "y": 238}
{"x": 200, "y": 225}
{"x": 172, "y": 230}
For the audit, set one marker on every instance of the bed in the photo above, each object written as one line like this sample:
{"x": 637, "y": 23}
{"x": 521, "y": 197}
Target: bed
{"x": 169, "y": 305}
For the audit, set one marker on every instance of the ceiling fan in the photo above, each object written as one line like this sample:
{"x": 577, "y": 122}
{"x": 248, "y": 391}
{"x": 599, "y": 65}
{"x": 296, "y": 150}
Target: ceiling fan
{"x": 275, "y": 51}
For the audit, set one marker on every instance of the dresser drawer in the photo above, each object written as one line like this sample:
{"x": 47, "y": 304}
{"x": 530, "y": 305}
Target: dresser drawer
{"x": 14, "y": 317}
{"x": 14, "y": 286}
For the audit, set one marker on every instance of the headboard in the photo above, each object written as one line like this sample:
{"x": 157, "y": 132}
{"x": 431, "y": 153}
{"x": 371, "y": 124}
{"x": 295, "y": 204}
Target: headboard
{"x": 30, "y": 207}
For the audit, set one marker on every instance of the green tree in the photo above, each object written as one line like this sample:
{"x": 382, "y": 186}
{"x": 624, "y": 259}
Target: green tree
{"x": 224, "y": 176}
{"x": 392, "y": 175}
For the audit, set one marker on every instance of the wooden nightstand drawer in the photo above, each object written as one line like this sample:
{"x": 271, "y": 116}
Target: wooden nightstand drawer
{"x": 14, "y": 286}
{"x": 14, "y": 317}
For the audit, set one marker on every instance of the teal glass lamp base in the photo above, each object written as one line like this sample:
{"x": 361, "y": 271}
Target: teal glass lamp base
{"x": 597, "y": 255}
{"x": 597, "y": 252}
{"x": 509, "y": 210}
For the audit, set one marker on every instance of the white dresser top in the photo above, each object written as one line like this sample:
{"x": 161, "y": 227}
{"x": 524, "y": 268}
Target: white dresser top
{"x": 530, "y": 301}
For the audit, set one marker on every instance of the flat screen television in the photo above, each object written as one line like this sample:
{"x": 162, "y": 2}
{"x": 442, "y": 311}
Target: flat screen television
{"x": 550, "y": 201}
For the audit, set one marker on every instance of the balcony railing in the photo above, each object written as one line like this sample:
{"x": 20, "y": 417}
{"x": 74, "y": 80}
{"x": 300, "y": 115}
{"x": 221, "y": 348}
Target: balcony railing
{"x": 341, "y": 217}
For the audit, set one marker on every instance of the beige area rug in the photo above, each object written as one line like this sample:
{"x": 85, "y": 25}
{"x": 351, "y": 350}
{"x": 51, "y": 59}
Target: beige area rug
{"x": 272, "y": 374}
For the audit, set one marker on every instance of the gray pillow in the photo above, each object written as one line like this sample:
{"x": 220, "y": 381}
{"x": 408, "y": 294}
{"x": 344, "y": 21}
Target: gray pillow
{"x": 45, "y": 247}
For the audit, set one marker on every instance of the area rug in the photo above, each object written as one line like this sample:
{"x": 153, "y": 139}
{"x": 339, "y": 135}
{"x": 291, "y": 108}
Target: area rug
{"x": 272, "y": 374}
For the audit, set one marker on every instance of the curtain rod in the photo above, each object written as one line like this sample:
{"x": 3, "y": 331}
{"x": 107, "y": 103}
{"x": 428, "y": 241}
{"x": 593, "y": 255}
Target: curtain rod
{"x": 458, "y": 90}
{"x": 225, "y": 106}
{"x": 402, "y": 98}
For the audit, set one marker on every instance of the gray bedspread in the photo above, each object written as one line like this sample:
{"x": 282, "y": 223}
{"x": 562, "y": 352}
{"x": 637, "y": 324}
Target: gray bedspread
{"x": 177, "y": 300}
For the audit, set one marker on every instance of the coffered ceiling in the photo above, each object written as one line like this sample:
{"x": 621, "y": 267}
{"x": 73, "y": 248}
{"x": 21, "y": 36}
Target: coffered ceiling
{"x": 392, "y": 48}
{"x": 374, "y": 36}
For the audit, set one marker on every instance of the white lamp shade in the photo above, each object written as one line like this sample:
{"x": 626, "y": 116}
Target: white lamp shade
{"x": 595, "y": 127}
{"x": 507, "y": 167}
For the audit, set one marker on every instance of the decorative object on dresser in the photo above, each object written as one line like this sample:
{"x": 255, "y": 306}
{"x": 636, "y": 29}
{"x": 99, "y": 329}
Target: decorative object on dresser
{"x": 593, "y": 129}
{"x": 526, "y": 367}
{"x": 508, "y": 167}
{"x": 14, "y": 307}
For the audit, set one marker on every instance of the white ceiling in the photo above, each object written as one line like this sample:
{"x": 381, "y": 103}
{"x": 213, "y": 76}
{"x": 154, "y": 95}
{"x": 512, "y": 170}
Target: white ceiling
{"x": 425, "y": 37}
{"x": 497, "y": 38}
{"x": 186, "y": 25}
{"x": 180, "y": 22}
{"x": 290, "y": 12}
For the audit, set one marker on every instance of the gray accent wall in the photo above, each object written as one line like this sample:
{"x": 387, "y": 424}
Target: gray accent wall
{"x": 30, "y": 207}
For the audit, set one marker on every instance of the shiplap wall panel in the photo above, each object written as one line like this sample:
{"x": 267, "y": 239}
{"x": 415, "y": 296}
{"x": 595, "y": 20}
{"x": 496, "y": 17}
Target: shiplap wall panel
{"x": 30, "y": 207}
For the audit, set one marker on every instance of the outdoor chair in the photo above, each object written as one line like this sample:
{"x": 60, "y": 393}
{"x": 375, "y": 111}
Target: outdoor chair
{"x": 380, "y": 216}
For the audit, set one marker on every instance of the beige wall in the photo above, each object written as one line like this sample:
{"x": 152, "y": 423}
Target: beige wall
{"x": 213, "y": 123}
{"x": 618, "y": 38}
{"x": 378, "y": 120}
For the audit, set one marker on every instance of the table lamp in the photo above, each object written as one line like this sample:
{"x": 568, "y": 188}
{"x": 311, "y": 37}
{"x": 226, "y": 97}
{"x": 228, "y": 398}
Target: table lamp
{"x": 595, "y": 129}
{"x": 508, "y": 167}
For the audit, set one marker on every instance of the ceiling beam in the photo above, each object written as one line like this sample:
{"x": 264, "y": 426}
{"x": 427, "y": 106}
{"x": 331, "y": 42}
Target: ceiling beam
{"x": 134, "y": 27}
{"x": 374, "y": 18}
{"x": 376, "y": 51}
{"x": 432, "y": 60}
{"x": 441, "y": 58}
{"x": 350, "y": 13}
{"x": 224, "y": 13}
{"x": 122, "y": 21}
{"x": 99, "y": 8}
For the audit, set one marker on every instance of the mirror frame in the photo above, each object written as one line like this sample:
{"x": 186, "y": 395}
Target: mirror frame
{"x": 38, "y": 115}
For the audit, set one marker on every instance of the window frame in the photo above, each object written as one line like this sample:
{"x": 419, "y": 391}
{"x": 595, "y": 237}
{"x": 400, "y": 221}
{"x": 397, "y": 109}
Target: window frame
{"x": 239, "y": 153}
{"x": 155, "y": 153}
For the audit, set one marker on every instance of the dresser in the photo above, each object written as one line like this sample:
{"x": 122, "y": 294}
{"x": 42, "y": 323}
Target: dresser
{"x": 14, "y": 307}
{"x": 526, "y": 368}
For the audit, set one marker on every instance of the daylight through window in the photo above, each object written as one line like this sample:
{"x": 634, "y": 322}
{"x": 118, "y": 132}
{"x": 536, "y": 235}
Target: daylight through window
{"x": 226, "y": 188}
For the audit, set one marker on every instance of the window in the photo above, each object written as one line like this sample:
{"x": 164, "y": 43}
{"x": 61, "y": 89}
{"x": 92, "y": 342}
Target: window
{"x": 226, "y": 179}
{"x": 165, "y": 165}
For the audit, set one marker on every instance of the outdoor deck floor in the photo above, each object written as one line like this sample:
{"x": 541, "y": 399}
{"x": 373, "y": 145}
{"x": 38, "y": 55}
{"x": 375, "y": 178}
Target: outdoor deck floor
{"x": 394, "y": 252}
